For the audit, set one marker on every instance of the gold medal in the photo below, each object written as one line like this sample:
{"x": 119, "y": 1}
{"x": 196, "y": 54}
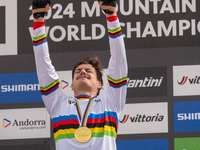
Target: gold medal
{"x": 83, "y": 134}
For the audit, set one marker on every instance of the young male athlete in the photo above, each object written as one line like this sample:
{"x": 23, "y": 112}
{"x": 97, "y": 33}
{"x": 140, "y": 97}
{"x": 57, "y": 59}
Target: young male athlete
{"x": 87, "y": 121}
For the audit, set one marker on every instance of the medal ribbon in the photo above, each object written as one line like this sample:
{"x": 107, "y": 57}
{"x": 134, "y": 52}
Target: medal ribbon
{"x": 83, "y": 117}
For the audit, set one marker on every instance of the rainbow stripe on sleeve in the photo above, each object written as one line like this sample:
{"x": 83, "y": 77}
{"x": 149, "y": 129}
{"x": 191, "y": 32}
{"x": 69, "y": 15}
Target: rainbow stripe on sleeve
{"x": 117, "y": 83}
{"x": 50, "y": 88}
{"x": 39, "y": 40}
{"x": 115, "y": 32}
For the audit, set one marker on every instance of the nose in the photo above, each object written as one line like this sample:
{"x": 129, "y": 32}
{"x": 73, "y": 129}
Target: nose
{"x": 83, "y": 71}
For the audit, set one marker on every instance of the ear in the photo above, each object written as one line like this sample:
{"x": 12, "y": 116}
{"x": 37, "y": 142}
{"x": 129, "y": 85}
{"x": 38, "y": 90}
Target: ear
{"x": 99, "y": 85}
{"x": 72, "y": 86}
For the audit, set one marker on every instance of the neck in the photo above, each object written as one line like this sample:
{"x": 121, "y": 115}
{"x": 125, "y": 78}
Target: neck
{"x": 84, "y": 93}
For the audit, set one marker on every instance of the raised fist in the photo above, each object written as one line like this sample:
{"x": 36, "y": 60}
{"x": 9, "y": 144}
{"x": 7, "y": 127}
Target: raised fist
{"x": 108, "y": 6}
{"x": 40, "y": 7}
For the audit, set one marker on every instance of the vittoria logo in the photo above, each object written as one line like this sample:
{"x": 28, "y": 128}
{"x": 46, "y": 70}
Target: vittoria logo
{"x": 195, "y": 80}
{"x": 142, "y": 118}
{"x": 186, "y": 80}
{"x": 139, "y": 118}
{"x": 6, "y": 123}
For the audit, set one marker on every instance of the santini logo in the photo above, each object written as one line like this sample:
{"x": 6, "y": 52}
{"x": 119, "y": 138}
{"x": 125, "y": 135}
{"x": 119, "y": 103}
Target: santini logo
{"x": 146, "y": 82}
{"x": 20, "y": 87}
{"x": 6, "y": 123}
{"x": 188, "y": 116}
{"x": 195, "y": 80}
{"x": 142, "y": 118}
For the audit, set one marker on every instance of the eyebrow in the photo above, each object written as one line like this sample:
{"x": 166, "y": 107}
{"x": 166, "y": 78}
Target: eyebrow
{"x": 78, "y": 69}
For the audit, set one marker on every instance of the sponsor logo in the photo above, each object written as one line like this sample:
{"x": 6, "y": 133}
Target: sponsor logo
{"x": 195, "y": 80}
{"x": 147, "y": 82}
{"x": 63, "y": 84}
{"x": 6, "y": 123}
{"x": 186, "y": 116}
{"x": 25, "y": 123}
{"x": 186, "y": 80}
{"x": 19, "y": 88}
{"x": 144, "y": 118}
{"x": 191, "y": 143}
{"x": 146, "y": 144}
{"x": 8, "y": 37}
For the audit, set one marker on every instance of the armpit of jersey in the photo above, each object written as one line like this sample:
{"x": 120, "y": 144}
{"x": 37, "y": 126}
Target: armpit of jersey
{"x": 117, "y": 83}
{"x": 50, "y": 88}
{"x": 39, "y": 40}
{"x": 114, "y": 33}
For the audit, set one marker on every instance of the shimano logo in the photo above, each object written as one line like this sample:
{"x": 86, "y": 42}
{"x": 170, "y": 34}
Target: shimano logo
{"x": 146, "y": 82}
{"x": 188, "y": 116}
{"x": 20, "y": 88}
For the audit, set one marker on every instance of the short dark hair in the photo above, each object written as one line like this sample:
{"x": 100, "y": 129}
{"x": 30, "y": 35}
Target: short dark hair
{"x": 95, "y": 62}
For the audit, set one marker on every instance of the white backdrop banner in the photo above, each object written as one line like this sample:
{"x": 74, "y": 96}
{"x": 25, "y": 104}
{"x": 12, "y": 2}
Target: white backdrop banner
{"x": 24, "y": 123}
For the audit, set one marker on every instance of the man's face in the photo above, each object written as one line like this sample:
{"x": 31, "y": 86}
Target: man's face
{"x": 85, "y": 78}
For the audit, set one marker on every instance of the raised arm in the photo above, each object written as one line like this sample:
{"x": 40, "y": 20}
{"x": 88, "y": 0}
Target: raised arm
{"x": 47, "y": 76}
{"x": 117, "y": 68}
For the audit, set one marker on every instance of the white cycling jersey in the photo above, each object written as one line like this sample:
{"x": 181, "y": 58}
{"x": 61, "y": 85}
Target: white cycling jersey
{"x": 104, "y": 110}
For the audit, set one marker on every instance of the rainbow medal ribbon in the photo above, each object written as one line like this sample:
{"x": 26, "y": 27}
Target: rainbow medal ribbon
{"x": 83, "y": 134}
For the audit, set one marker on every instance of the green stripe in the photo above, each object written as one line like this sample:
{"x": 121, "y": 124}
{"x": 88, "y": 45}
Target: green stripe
{"x": 64, "y": 136}
{"x": 101, "y": 134}
{"x": 35, "y": 38}
{"x": 94, "y": 134}
{"x": 124, "y": 78}
{"x": 114, "y": 29}
{"x": 44, "y": 88}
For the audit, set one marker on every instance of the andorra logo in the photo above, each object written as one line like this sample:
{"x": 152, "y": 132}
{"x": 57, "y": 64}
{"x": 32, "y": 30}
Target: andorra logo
{"x": 64, "y": 84}
{"x": 6, "y": 123}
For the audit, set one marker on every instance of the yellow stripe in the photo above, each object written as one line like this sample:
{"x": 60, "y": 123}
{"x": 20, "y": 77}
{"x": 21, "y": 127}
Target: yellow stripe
{"x": 48, "y": 87}
{"x": 101, "y": 129}
{"x": 118, "y": 81}
{"x": 37, "y": 39}
{"x": 65, "y": 131}
{"x": 115, "y": 31}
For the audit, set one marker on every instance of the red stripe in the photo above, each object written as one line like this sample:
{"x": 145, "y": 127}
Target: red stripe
{"x": 65, "y": 122}
{"x": 38, "y": 25}
{"x": 112, "y": 18}
{"x": 102, "y": 120}
{"x": 40, "y": 41}
{"x": 116, "y": 34}
{"x": 117, "y": 84}
{"x": 45, "y": 92}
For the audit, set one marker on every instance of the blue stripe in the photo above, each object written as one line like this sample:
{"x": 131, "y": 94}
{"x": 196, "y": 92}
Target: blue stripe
{"x": 50, "y": 92}
{"x": 62, "y": 118}
{"x": 107, "y": 113}
{"x": 40, "y": 43}
{"x": 118, "y": 86}
{"x": 115, "y": 36}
